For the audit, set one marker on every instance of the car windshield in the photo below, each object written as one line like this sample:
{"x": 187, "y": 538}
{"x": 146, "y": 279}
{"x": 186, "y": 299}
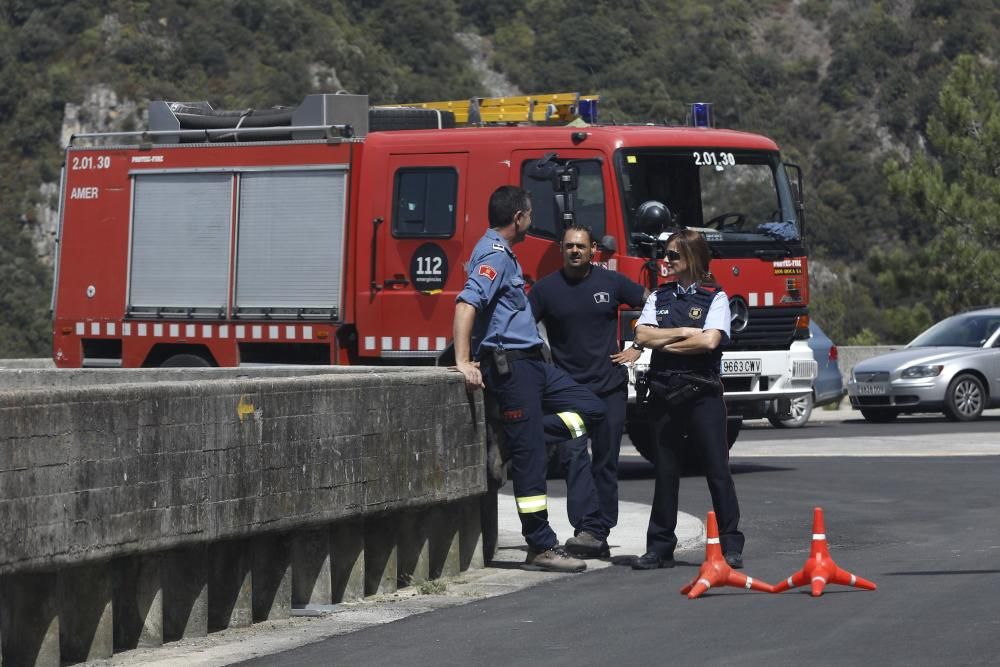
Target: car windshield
{"x": 970, "y": 330}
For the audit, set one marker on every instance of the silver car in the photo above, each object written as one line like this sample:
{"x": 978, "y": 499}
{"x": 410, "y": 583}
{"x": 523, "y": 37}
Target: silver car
{"x": 953, "y": 367}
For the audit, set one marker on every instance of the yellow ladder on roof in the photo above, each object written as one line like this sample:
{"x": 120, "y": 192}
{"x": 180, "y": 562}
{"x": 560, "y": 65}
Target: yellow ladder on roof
{"x": 545, "y": 108}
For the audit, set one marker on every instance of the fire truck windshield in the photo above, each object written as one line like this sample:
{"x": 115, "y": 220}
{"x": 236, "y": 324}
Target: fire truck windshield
{"x": 731, "y": 196}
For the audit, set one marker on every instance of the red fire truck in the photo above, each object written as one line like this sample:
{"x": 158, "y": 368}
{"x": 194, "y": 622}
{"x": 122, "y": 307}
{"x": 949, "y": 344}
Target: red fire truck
{"x": 333, "y": 233}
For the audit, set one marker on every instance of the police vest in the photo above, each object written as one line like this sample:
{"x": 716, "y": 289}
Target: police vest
{"x": 686, "y": 310}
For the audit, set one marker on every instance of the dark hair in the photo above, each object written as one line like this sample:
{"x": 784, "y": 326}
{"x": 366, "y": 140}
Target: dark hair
{"x": 694, "y": 251}
{"x": 505, "y": 202}
{"x": 577, "y": 227}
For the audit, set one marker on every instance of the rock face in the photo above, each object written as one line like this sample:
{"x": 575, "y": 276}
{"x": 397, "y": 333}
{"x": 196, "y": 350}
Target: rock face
{"x": 100, "y": 111}
{"x": 480, "y": 50}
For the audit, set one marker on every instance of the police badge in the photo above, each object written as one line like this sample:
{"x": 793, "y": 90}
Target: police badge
{"x": 695, "y": 312}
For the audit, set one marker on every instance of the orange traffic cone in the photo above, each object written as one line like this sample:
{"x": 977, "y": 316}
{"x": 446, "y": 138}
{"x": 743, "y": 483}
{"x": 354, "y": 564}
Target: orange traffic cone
{"x": 715, "y": 571}
{"x": 820, "y": 569}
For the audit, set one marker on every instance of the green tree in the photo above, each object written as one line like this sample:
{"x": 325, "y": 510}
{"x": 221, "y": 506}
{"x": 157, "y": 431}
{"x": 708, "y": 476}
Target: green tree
{"x": 952, "y": 193}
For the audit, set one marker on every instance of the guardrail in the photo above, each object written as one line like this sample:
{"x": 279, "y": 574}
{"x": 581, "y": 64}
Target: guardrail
{"x": 141, "y": 506}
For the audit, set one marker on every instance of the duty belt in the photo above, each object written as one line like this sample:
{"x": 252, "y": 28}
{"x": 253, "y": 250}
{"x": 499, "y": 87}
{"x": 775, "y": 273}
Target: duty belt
{"x": 501, "y": 358}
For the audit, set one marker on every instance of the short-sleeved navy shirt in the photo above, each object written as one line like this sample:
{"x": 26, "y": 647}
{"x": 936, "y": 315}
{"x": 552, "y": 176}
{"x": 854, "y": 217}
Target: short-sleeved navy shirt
{"x": 581, "y": 318}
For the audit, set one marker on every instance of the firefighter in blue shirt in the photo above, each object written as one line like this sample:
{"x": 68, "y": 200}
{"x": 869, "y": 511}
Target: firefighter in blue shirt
{"x": 537, "y": 401}
{"x": 686, "y": 323}
{"x": 579, "y": 307}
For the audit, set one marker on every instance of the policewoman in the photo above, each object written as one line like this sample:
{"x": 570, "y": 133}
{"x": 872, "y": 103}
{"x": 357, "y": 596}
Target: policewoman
{"x": 686, "y": 324}
{"x": 497, "y": 345}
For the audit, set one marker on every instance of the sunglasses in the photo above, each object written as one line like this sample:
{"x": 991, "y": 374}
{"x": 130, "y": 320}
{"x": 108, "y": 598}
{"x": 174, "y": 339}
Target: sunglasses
{"x": 673, "y": 255}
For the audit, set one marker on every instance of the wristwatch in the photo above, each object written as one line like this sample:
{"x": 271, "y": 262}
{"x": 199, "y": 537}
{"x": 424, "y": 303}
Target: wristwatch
{"x": 636, "y": 346}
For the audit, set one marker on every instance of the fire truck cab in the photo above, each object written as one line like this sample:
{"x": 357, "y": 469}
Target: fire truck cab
{"x": 331, "y": 234}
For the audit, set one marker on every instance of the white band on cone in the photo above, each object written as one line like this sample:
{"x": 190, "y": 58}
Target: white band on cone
{"x": 706, "y": 582}
{"x": 712, "y": 540}
{"x": 749, "y": 583}
{"x": 819, "y": 536}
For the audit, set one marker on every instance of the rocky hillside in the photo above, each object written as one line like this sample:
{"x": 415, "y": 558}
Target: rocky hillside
{"x": 845, "y": 87}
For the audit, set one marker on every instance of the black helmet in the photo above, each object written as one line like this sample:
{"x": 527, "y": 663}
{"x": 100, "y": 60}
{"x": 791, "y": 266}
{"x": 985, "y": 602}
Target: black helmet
{"x": 653, "y": 217}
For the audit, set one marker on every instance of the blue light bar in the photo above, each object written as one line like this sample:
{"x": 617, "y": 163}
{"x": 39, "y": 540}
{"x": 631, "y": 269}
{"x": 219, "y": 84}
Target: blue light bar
{"x": 587, "y": 108}
{"x": 701, "y": 114}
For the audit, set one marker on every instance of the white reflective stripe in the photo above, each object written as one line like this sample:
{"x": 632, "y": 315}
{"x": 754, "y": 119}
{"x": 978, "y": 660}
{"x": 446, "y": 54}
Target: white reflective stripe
{"x": 574, "y": 423}
{"x": 854, "y": 580}
{"x": 530, "y": 504}
{"x": 712, "y": 540}
{"x": 790, "y": 582}
{"x": 749, "y": 583}
{"x": 708, "y": 584}
{"x": 815, "y": 579}
{"x": 819, "y": 536}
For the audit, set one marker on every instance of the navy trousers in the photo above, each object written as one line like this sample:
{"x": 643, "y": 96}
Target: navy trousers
{"x": 704, "y": 420}
{"x": 538, "y": 404}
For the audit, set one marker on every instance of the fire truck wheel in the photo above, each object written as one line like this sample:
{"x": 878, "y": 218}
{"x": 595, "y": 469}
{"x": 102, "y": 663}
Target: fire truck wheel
{"x": 801, "y": 410}
{"x": 641, "y": 438}
{"x": 734, "y": 424}
{"x": 186, "y": 360}
{"x": 488, "y": 507}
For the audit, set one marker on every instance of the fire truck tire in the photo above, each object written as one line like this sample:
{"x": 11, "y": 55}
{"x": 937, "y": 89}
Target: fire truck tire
{"x": 380, "y": 120}
{"x": 801, "y": 410}
{"x": 488, "y": 508}
{"x": 734, "y": 424}
{"x": 186, "y": 360}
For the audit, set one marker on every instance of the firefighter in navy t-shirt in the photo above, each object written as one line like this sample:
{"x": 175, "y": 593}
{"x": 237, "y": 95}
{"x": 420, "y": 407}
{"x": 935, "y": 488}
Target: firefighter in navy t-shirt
{"x": 579, "y": 307}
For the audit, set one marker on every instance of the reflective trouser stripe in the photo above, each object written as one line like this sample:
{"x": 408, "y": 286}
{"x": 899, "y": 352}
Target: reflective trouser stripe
{"x": 529, "y": 504}
{"x": 574, "y": 423}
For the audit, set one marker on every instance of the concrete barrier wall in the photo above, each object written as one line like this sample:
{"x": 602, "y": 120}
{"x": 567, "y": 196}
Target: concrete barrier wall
{"x": 27, "y": 363}
{"x": 223, "y": 501}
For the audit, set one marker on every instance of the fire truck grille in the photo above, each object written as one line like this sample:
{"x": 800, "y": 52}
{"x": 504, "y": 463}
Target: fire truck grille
{"x": 767, "y": 329}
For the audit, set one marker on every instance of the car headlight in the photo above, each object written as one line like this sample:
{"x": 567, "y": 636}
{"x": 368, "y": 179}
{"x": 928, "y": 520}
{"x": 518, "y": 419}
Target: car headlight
{"x": 914, "y": 372}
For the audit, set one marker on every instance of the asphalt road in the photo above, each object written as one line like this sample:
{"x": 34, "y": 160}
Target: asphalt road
{"x": 925, "y": 529}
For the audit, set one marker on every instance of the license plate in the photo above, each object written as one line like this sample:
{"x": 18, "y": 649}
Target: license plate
{"x": 871, "y": 388}
{"x": 741, "y": 366}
